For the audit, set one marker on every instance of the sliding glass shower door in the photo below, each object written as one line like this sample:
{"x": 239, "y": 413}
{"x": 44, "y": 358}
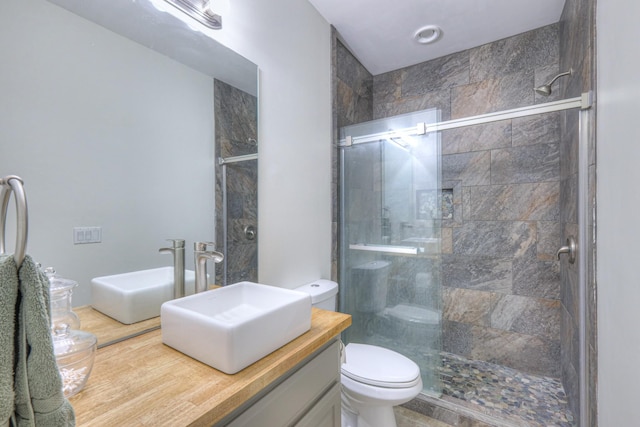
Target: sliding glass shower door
{"x": 392, "y": 206}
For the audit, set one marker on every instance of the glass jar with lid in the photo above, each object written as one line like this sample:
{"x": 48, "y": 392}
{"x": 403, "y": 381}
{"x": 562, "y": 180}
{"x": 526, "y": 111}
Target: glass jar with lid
{"x": 74, "y": 349}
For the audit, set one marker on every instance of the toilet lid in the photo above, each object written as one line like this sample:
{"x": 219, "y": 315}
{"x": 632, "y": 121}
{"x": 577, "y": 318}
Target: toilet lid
{"x": 379, "y": 367}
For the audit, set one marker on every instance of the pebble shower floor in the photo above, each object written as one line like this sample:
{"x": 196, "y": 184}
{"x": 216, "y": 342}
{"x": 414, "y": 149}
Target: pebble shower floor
{"x": 505, "y": 393}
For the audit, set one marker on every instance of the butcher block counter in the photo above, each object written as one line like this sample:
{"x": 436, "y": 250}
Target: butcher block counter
{"x": 142, "y": 382}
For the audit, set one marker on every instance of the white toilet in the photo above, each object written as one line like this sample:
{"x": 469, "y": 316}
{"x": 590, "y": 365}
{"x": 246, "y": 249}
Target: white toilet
{"x": 374, "y": 379}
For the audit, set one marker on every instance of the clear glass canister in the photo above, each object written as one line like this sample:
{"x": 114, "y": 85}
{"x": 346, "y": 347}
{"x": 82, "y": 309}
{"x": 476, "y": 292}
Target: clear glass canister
{"x": 74, "y": 349}
{"x": 62, "y": 316}
{"x": 75, "y": 353}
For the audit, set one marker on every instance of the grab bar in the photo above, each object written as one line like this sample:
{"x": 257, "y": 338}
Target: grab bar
{"x": 14, "y": 183}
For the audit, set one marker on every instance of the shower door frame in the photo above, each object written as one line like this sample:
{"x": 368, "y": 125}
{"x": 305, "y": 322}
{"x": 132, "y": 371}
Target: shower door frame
{"x": 584, "y": 103}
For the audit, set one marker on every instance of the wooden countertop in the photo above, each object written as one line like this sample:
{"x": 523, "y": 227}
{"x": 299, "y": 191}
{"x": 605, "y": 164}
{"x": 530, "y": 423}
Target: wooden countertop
{"x": 142, "y": 382}
{"x": 107, "y": 329}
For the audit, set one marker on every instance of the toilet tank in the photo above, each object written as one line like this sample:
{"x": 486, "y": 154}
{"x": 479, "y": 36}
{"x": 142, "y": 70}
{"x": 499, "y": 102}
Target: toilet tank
{"x": 324, "y": 293}
{"x": 370, "y": 282}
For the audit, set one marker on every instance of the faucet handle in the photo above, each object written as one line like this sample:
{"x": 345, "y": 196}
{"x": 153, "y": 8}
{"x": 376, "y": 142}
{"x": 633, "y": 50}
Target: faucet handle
{"x": 177, "y": 243}
{"x": 202, "y": 246}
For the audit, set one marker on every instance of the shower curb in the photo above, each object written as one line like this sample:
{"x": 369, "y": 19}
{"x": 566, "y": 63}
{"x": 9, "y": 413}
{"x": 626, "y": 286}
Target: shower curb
{"x": 450, "y": 413}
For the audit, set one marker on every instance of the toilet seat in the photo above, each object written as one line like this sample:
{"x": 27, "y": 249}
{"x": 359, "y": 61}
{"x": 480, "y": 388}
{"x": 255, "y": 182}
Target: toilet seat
{"x": 379, "y": 367}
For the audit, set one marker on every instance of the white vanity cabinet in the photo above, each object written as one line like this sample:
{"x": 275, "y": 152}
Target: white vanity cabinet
{"x": 308, "y": 396}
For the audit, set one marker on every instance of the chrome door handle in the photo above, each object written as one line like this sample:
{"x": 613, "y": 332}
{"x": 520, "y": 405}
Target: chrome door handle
{"x": 570, "y": 249}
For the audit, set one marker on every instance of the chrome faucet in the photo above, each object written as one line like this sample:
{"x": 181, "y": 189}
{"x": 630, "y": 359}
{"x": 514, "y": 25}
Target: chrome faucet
{"x": 177, "y": 249}
{"x": 200, "y": 256}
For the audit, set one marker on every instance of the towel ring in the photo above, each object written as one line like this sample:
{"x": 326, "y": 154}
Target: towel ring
{"x": 14, "y": 183}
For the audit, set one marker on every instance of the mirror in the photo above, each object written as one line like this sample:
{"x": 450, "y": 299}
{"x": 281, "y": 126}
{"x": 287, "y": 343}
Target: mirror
{"x": 107, "y": 114}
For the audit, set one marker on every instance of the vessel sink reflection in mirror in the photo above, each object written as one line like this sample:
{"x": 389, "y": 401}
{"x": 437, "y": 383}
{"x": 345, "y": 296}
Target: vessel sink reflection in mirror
{"x": 135, "y": 296}
{"x": 232, "y": 327}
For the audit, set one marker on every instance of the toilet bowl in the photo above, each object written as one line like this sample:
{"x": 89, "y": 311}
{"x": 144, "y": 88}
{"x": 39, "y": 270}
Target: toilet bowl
{"x": 374, "y": 379}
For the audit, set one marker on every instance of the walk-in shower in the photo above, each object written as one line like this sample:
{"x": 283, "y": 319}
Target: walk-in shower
{"x": 448, "y": 237}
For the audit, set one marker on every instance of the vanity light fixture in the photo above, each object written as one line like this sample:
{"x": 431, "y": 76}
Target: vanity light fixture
{"x": 428, "y": 34}
{"x": 203, "y": 11}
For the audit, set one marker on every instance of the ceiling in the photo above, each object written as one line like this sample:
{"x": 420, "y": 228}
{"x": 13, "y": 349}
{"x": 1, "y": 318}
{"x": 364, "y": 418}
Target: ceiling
{"x": 380, "y": 33}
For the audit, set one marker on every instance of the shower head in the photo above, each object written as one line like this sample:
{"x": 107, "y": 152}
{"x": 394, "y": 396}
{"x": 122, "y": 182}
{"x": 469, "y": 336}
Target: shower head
{"x": 545, "y": 90}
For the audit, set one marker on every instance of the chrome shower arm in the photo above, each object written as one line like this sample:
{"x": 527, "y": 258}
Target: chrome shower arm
{"x": 566, "y": 73}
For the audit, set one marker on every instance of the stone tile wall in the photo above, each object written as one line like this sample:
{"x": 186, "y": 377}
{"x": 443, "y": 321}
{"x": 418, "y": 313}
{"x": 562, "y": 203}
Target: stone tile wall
{"x": 236, "y": 134}
{"x": 577, "y": 52}
{"x": 352, "y": 103}
{"x": 501, "y": 293}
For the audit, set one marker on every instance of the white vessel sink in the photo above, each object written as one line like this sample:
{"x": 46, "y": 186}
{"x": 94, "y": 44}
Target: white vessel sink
{"x": 135, "y": 296}
{"x": 232, "y": 327}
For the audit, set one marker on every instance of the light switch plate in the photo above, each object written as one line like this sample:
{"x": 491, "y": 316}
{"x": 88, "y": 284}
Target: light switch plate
{"x": 82, "y": 235}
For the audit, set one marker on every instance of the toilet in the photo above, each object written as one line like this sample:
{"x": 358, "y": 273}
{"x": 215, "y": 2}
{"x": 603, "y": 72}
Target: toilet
{"x": 374, "y": 379}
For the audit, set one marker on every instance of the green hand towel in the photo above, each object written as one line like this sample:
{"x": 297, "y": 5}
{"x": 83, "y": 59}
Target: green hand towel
{"x": 39, "y": 400}
{"x": 8, "y": 297}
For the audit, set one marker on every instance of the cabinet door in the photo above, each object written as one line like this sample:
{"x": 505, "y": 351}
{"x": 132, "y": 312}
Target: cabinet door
{"x": 326, "y": 412}
{"x": 296, "y": 395}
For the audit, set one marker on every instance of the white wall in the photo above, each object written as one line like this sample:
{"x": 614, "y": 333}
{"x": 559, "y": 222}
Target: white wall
{"x": 122, "y": 140}
{"x": 618, "y": 234}
{"x": 290, "y": 42}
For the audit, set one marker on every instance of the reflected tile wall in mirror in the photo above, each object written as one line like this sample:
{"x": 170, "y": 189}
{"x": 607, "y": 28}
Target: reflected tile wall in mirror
{"x": 236, "y": 134}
